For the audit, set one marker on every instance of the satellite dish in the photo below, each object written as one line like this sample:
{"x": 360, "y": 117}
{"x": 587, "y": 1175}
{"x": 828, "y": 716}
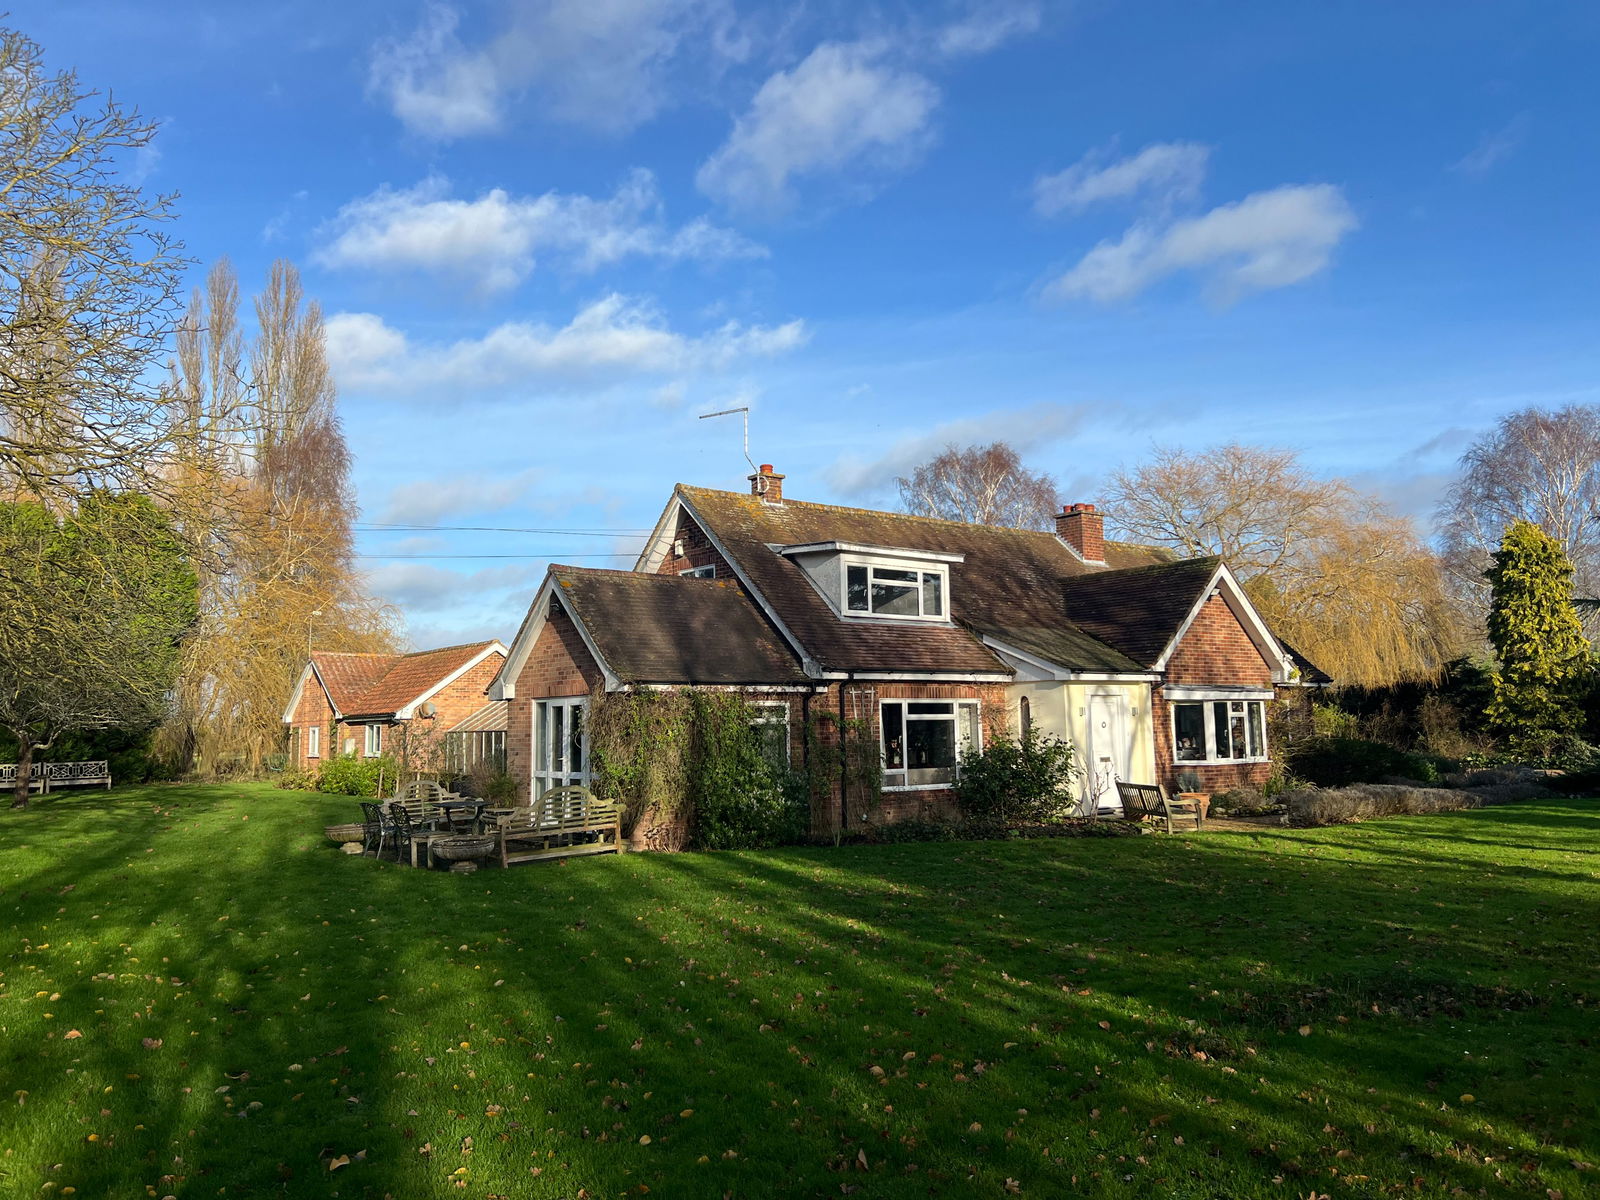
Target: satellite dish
{"x": 428, "y": 709}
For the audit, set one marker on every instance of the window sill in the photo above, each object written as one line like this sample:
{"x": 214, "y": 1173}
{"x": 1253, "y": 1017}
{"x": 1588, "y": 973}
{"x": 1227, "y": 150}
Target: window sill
{"x": 917, "y": 787}
{"x": 1218, "y": 762}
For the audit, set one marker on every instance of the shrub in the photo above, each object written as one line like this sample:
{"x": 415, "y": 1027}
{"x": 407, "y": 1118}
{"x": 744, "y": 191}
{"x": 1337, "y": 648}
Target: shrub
{"x": 740, "y": 801}
{"x": 347, "y": 775}
{"x": 1012, "y": 781}
{"x": 1360, "y": 802}
{"x": 915, "y": 830}
{"x": 1339, "y": 762}
{"x": 295, "y": 780}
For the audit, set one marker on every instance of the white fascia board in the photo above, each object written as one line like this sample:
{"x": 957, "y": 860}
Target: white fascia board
{"x": 406, "y": 711}
{"x": 294, "y": 696}
{"x": 504, "y": 685}
{"x": 1114, "y": 677}
{"x": 864, "y": 548}
{"x": 1223, "y": 581}
{"x": 1186, "y": 691}
{"x": 918, "y": 676}
{"x": 655, "y": 549}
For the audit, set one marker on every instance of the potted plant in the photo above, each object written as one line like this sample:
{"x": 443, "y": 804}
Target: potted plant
{"x": 1189, "y": 786}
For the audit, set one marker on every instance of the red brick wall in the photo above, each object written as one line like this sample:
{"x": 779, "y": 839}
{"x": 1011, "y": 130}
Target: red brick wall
{"x": 559, "y": 665}
{"x": 313, "y": 711}
{"x": 1216, "y": 651}
{"x": 697, "y": 551}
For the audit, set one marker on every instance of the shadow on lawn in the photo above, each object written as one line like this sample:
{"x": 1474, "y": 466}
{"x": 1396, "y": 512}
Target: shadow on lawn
{"x": 737, "y": 986}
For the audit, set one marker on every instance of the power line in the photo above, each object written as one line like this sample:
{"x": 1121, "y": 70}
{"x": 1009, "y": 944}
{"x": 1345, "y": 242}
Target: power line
{"x": 385, "y": 527}
{"x": 525, "y": 557}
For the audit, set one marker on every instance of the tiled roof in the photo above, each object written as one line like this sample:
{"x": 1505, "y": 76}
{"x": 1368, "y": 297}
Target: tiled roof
{"x": 672, "y": 629}
{"x": 1008, "y": 583}
{"x": 493, "y": 717}
{"x": 1140, "y": 609}
{"x": 378, "y": 685}
{"x": 1309, "y": 671}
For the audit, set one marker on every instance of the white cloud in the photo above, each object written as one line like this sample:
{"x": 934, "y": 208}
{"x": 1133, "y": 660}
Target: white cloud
{"x": 987, "y": 27}
{"x": 1267, "y": 240}
{"x": 612, "y": 338}
{"x": 425, "y": 501}
{"x": 601, "y": 64}
{"x": 1169, "y": 171}
{"x": 493, "y": 240}
{"x": 434, "y": 85}
{"x": 843, "y": 106}
{"x": 1024, "y": 428}
{"x": 422, "y": 587}
{"x": 1493, "y": 148}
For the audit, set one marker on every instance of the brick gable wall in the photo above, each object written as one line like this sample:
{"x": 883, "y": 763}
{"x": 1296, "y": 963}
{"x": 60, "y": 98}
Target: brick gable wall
{"x": 1216, "y": 651}
{"x": 697, "y": 551}
{"x": 558, "y": 665}
{"x": 313, "y": 712}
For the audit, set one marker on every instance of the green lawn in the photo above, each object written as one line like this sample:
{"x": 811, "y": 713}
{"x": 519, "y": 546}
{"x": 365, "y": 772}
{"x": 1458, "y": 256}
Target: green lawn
{"x": 200, "y": 996}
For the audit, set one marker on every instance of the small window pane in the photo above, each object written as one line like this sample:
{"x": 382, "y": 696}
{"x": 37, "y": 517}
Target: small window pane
{"x": 1236, "y": 735}
{"x": 856, "y": 589}
{"x": 558, "y": 738}
{"x": 932, "y": 594}
{"x": 895, "y": 599}
{"x": 1219, "y": 723}
{"x": 1189, "y": 728}
{"x": 575, "y": 738}
{"x": 932, "y": 709}
{"x": 967, "y": 721}
{"x": 894, "y": 742}
{"x": 1258, "y": 740}
{"x": 885, "y": 575}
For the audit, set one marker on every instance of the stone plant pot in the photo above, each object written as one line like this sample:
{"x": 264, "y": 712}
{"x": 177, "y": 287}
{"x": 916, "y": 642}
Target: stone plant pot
{"x": 1200, "y": 800}
{"x": 463, "y": 849}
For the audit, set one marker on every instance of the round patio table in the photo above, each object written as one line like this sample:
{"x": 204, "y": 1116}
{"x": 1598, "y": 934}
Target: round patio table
{"x": 469, "y": 812}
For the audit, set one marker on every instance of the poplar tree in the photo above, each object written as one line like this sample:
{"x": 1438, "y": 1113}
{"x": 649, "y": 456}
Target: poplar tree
{"x": 1539, "y": 641}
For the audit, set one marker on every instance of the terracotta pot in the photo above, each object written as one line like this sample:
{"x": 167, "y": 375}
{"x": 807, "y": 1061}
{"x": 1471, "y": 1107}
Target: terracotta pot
{"x": 1200, "y": 800}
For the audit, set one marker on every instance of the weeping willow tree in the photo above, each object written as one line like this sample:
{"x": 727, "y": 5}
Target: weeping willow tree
{"x": 278, "y": 573}
{"x": 1346, "y": 582}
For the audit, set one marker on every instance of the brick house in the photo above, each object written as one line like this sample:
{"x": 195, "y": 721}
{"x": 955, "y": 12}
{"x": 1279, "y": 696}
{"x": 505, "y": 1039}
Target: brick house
{"x": 927, "y": 635}
{"x": 395, "y": 704}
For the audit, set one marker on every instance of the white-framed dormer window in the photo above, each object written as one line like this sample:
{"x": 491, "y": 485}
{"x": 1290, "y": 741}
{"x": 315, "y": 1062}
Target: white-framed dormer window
{"x": 374, "y": 741}
{"x": 924, "y": 741}
{"x": 1219, "y": 730}
{"x": 709, "y": 571}
{"x": 918, "y": 593}
{"x": 313, "y": 741}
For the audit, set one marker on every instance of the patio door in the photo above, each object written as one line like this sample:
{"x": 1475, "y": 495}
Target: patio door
{"x": 560, "y": 744}
{"x": 1110, "y": 751}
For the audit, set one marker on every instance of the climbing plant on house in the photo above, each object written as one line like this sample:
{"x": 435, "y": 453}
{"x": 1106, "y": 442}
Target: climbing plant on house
{"x": 1534, "y": 628}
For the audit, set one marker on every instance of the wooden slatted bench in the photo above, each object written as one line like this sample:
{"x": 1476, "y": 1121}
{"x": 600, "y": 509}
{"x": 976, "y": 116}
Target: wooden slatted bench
{"x": 45, "y": 776}
{"x": 563, "y": 823}
{"x": 1141, "y": 800}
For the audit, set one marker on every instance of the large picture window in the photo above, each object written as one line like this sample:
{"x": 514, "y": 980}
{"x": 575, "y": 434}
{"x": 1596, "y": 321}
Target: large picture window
{"x": 560, "y": 744}
{"x": 893, "y": 591}
{"x": 1209, "y": 731}
{"x": 924, "y": 741}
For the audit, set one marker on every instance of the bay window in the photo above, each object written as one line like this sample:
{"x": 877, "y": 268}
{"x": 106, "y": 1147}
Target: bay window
{"x": 1216, "y": 730}
{"x": 924, "y": 741}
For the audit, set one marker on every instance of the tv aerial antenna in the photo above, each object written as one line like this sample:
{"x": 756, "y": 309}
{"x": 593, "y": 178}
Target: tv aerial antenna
{"x": 744, "y": 412}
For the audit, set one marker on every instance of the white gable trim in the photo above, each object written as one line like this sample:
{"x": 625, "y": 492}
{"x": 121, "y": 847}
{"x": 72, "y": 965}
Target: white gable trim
{"x": 504, "y": 685}
{"x": 656, "y": 550}
{"x": 299, "y": 690}
{"x": 1224, "y": 584}
{"x": 406, "y": 712}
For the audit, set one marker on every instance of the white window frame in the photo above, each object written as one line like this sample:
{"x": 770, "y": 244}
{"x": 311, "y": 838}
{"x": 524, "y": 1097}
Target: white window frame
{"x": 708, "y": 571}
{"x": 548, "y": 772}
{"x": 313, "y": 741}
{"x": 373, "y": 746}
{"x": 1208, "y": 702}
{"x": 954, "y": 718}
{"x": 774, "y": 712}
{"x": 874, "y": 565}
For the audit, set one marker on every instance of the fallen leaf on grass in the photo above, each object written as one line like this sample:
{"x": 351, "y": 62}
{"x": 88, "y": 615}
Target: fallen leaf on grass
{"x": 71, "y": 1033}
{"x": 151, "y": 1043}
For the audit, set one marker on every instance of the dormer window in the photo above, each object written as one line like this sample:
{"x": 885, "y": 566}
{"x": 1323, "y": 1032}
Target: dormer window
{"x": 899, "y": 583}
{"x": 894, "y": 591}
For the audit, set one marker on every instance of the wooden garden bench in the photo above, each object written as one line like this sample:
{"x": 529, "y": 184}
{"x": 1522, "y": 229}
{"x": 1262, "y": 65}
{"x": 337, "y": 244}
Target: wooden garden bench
{"x": 1141, "y": 800}
{"x": 564, "y": 822}
{"x": 45, "y": 776}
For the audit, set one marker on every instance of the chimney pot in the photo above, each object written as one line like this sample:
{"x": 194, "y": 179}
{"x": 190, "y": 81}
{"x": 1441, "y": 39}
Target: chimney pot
{"x": 767, "y": 485}
{"x": 1084, "y": 529}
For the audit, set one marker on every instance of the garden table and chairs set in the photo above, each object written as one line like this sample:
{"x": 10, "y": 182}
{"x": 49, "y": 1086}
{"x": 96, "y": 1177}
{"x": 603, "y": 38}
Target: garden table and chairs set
{"x": 425, "y": 822}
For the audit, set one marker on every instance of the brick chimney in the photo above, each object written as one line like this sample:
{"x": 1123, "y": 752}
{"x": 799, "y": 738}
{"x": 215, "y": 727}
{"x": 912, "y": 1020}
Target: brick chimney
{"x": 1079, "y": 526}
{"x": 767, "y": 485}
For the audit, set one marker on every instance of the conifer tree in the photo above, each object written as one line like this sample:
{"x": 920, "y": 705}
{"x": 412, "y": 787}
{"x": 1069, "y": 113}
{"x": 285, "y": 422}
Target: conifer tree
{"x": 1534, "y": 629}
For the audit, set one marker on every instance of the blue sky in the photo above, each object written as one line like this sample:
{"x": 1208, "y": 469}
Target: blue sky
{"x": 549, "y": 234}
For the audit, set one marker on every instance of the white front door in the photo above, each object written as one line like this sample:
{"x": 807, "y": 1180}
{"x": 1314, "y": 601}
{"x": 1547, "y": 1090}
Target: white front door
{"x": 1110, "y": 752}
{"x": 560, "y": 744}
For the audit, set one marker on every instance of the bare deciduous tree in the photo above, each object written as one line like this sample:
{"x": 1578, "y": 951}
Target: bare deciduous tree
{"x": 983, "y": 485}
{"x": 89, "y": 279}
{"x": 1538, "y": 465}
{"x": 1346, "y": 582}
